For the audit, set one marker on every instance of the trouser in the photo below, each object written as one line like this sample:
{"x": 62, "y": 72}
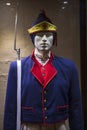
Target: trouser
{"x": 57, "y": 126}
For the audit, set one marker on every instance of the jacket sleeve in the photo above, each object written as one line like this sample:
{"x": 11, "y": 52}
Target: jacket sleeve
{"x": 10, "y": 101}
{"x": 75, "y": 102}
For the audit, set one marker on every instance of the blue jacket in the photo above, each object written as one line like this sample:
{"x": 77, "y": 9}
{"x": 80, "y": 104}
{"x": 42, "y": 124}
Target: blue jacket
{"x": 59, "y": 100}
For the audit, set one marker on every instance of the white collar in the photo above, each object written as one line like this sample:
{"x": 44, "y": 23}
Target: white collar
{"x": 37, "y": 55}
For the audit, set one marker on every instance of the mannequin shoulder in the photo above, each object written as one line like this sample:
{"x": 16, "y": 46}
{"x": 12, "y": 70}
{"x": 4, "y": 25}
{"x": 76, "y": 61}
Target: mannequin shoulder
{"x": 65, "y": 62}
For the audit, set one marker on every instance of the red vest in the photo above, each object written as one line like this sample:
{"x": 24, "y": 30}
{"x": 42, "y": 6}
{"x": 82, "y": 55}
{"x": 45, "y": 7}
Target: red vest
{"x": 44, "y": 74}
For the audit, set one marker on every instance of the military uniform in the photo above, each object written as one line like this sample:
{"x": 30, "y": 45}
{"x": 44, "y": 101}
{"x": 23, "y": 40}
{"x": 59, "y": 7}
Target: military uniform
{"x": 50, "y": 92}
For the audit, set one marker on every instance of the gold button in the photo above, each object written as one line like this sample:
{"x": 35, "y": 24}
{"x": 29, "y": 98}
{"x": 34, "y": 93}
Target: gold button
{"x": 43, "y": 68}
{"x": 43, "y": 75}
{"x": 45, "y": 100}
{"x": 45, "y": 92}
{"x": 45, "y": 117}
{"x": 45, "y": 108}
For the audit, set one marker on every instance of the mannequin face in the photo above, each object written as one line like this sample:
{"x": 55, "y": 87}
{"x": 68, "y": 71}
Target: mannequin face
{"x": 43, "y": 41}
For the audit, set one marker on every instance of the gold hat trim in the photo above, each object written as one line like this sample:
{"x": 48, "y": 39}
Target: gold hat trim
{"x": 43, "y": 26}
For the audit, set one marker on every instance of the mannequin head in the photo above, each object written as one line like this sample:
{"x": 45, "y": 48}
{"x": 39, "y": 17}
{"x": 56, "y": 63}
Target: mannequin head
{"x": 43, "y": 41}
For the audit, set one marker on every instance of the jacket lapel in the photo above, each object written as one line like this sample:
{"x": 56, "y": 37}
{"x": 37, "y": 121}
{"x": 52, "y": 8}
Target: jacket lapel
{"x": 44, "y": 74}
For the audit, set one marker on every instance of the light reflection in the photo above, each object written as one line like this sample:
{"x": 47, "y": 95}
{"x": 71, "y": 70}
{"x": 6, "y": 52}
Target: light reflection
{"x": 8, "y": 4}
{"x": 65, "y": 2}
{"x": 63, "y": 7}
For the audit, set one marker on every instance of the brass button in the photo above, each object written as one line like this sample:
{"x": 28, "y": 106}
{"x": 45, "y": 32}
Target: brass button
{"x": 43, "y": 75}
{"x": 43, "y": 68}
{"x": 45, "y": 92}
{"x": 45, "y": 117}
{"x": 45, "y": 108}
{"x": 45, "y": 100}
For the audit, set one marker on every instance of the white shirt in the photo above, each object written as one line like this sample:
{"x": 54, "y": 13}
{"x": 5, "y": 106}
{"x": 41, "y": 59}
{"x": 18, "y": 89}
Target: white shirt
{"x": 39, "y": 57}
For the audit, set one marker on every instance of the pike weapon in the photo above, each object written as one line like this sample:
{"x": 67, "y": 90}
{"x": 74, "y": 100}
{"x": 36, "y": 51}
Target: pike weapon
{"x": 15, "y": 35}
{"x": 18, "y": 120}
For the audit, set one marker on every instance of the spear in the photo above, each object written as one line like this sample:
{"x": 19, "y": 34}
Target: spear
{"x": 15, "y": 34}
{"x": 18, "y": 120}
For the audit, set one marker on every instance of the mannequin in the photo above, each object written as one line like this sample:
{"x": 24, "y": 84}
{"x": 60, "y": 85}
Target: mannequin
{"x": 50, "y": 85}
{"x": 43, "y": 42}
